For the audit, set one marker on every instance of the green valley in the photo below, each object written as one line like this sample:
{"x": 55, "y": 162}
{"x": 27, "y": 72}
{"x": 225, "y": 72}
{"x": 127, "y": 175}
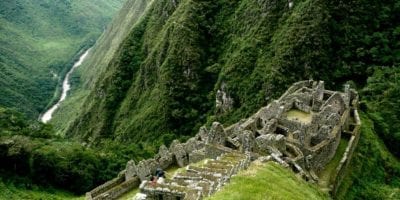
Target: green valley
{"x": 39, "y": 41}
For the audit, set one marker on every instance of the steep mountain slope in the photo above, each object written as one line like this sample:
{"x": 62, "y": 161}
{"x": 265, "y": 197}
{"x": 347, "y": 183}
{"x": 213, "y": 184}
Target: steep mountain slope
{"x": 39, "y": 40}
{"x": 183, "y": 55}
{"x": 98, "y": 59}
{"x": 374, "y": 171}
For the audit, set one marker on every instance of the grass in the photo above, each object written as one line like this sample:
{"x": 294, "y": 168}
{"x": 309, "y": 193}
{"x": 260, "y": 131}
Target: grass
{"x": 129, "y": 195}
{"x": 326, "y": 175}
{"x": 298, "y": 115}
{"x": 12, "y": 192}
{"x": 267, "y": 181}
{"x": 374, "y": 173}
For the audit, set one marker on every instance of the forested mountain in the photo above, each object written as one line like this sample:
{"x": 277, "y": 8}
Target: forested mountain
{"x": 165, "y": 76}
{"x": 97, "y": 61}
{"x": 39, "y": 40}
{"x": 163, "y": 68}
{"x": 189, "y": 62}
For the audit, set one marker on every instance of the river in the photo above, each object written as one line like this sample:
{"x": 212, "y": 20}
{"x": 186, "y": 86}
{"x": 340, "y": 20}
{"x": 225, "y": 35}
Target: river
{"x": 66, "y": 86}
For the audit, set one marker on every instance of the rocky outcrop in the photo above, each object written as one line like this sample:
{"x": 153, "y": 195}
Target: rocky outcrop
{"x": 223, "y": 102}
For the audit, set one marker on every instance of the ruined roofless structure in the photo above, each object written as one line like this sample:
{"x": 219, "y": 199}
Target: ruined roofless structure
{"x": 301, "y": 130}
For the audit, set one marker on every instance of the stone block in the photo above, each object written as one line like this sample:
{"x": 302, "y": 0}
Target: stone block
{"x": 202, "y": 135}
{"x": 178, "y": 150}
{"x": 146, "y": 168}
{"x": 164, "y": 157}
{"x": 130, "y": 170}
{"x": 216, "y": 135}
{"x": 264, "y": 142}
{"x": 197, "y": 155}
{"x": 248, "y": 141}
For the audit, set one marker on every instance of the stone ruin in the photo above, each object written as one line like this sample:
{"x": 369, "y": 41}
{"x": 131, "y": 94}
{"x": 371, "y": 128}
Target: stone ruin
{"x": 301, "y": 130}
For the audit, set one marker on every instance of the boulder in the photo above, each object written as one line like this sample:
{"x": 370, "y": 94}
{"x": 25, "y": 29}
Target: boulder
{"x": 191, "y": 145}
{"x": 197, "y": 155}
{"x": 248, "y": 141}
{"x": 131, "y": 170}
{"x": 164, "y": 157}
{"x": 270, "y": 140}
{"x": 180, "y": 154}
{"x": 216, "y": 135}
{"x": 146, "y": 168}
{"x": 202, "y": 135}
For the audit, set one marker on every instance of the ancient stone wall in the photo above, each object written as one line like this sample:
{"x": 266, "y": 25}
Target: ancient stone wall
{"x": 340, "y": 171}
{"x": 295, "y": 87}
{"x": 337, "y": 103}
{"x": 119, "y": 190}
{"x": 104, "y": 187}
{"x": 206, "y": 144}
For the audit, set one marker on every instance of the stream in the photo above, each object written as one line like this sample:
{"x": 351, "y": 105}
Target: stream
{"x": 66, "y": 86}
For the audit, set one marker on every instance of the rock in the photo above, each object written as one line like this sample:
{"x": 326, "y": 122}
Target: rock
{"x": 146, "y": 168}
{"x": 270, "y": 127}
{"x": 248, "y": 141}
{"x": 223, "y": 102}
{"x": 197, "y": 155}
{"x": 264, "y": 159}
{"x": 271, "y": 140}
{"x": 140, "y": 196}
{"x": 178, "y": 150}
{"x": 250, "y": 124}
{"x": 131, "y": 170}
{"x": 216, "y": 135}
{"x": 233, "y": 142}
{"x": 165, "y": 157}
{"x": 191, "y": 145}
{"x": 202, "y": 135}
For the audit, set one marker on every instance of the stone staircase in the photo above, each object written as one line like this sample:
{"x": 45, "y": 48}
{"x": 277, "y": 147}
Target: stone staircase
{"x": 198, "y": 180}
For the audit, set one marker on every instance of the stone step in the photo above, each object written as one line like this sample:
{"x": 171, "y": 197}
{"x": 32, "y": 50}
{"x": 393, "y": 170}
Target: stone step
{"x": 199, "y": 181}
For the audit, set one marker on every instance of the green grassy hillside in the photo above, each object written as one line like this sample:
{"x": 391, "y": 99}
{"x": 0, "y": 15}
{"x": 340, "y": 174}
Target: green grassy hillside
{"x": 374, "y": 173}
{"x": 39, "y": 40}
{"x": 268, "y": 181}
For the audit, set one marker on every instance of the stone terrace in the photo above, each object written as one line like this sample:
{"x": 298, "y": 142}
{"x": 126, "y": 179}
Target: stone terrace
{"x": 198, "y": 180}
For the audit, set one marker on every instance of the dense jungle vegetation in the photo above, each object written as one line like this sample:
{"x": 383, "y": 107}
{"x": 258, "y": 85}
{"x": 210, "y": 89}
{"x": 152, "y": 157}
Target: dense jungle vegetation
{"x": 33, "y": 156}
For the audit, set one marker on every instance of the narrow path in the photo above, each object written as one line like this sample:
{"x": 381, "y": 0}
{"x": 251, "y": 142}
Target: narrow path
{"x": 66, "y": 86}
